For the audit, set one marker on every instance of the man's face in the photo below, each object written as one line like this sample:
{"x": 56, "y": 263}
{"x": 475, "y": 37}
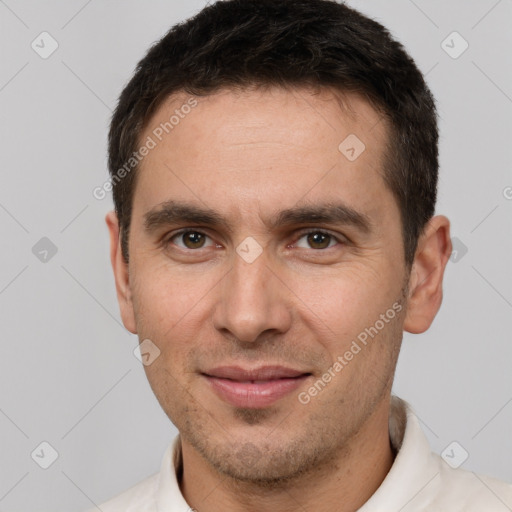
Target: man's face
{"x": 251, "y": 311}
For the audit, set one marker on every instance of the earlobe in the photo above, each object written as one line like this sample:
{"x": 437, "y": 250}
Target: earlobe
{"x": 426, "y": 279}
{"x": 121, "y": 274}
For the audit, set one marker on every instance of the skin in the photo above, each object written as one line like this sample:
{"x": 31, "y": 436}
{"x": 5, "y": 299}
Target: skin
{"x": 248, "y": 155}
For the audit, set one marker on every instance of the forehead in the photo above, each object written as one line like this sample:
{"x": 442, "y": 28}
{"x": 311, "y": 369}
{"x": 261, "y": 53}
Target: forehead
{"x": 259, "y": 149}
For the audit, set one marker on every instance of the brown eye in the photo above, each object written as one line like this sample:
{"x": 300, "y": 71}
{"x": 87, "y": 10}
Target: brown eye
{"x": 317, "y": 240}
{"x": 190, "y": 239}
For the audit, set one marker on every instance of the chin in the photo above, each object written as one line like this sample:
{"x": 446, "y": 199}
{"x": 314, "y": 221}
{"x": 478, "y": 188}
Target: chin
{"x": 263, "y": 464}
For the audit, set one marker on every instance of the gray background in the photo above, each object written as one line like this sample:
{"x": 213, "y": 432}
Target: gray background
{"x": 68, "y": 375}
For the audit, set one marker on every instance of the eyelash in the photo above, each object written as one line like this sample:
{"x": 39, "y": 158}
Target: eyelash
{"x": 300, "y": 235}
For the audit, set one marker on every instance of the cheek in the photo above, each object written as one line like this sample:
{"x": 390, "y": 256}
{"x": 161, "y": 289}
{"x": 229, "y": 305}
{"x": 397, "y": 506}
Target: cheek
{"x": 356, "y": 318}
{"x": 172, "y": 309}
{"x": 166, "y": 298}
{"x": 342, "y": 303}
{"x": 174, "y": 396}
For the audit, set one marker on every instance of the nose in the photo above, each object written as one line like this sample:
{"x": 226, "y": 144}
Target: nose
{"x": 253, "y": 301}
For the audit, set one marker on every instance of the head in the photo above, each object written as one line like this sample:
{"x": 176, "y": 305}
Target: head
{"x": 281, "y": 214}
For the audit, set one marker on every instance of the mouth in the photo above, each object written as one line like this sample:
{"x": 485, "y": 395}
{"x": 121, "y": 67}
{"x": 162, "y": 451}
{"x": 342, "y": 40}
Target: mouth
{"x": 254, "y": 388}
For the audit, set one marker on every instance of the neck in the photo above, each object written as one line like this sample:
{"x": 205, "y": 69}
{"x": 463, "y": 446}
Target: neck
{"x": 344, "y": 484}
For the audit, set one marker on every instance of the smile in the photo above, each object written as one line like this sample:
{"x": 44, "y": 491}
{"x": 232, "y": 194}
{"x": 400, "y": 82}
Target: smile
{"x": 257, "y": 388}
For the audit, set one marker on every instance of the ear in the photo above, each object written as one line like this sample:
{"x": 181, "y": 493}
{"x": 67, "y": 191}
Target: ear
{"x": 426, "y": 279}
{"x": 121, "y": 274}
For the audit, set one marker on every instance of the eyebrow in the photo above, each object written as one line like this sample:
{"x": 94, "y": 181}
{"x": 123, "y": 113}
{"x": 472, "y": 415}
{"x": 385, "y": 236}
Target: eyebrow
{"x": 176, "y": 212}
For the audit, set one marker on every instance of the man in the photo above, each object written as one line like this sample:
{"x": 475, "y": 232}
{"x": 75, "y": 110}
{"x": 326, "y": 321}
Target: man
{"x": 274, "y": 167}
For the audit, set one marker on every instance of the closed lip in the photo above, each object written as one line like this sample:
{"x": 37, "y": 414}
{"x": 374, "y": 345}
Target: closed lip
{"x": 254, "y": 387}
{"x": 262, "y": 373}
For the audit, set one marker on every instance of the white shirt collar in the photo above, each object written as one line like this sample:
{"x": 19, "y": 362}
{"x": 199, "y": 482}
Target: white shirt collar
{"x": 414, "y": 466}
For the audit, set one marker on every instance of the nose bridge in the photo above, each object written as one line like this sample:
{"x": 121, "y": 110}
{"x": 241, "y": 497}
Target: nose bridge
{"x": 251, "y": 300}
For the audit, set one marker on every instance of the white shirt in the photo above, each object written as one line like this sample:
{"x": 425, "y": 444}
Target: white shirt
{"x": 418, "y": 481}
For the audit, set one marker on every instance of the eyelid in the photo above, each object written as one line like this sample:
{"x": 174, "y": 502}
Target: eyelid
{"x": 338, "y": 237}
{"x": 167, "y": 239}
{"x": 301, "y": 233}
